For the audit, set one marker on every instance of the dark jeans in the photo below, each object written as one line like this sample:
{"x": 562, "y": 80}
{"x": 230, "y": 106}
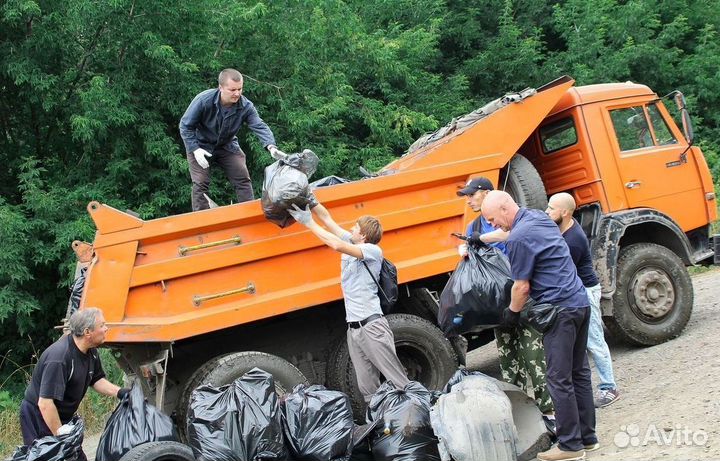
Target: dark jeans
{"x": 568, "y": 379}
{"x": 33, "y": 426}
{"x": 235, "y": 169}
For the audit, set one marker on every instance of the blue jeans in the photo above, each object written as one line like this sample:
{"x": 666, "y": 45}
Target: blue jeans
{"x": 596, "y": 345}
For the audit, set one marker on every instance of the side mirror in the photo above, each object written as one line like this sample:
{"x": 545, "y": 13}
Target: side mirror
{"x": 686, "y": 122}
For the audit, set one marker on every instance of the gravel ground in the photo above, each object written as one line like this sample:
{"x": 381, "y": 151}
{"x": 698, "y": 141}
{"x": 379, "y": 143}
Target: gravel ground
{"x": 670, "y": 396}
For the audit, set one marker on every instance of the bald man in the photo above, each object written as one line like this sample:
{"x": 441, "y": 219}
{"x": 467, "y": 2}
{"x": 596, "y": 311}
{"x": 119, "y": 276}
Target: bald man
{"x": 560, "y": 208}
{"x": 542, "y": 267}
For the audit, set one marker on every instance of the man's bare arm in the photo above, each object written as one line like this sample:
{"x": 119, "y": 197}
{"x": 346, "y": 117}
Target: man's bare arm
{"x": 50, "y": 414}
{"x": 519, "y": 295}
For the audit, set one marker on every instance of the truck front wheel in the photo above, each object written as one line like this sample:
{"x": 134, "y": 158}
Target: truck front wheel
{"x": 227, "y": 368}
{"x": 653, "y": 299}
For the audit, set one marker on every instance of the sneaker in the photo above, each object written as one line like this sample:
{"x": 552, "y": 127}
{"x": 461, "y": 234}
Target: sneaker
{"x": 556, "y": 454}
{"x": 605, "y": 397}
{"x": 592, "y": 446}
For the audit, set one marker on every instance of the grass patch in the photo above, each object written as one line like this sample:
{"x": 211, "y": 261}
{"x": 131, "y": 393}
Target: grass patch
{"x": 94, "y": 409}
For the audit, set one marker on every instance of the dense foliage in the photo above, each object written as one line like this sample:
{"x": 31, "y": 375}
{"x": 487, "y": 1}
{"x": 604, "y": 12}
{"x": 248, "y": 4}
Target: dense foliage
{"x": 91, "y": 93}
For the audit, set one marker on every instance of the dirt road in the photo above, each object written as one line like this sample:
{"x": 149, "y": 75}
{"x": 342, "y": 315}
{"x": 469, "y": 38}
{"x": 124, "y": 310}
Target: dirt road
{"x": 670, "y": 403}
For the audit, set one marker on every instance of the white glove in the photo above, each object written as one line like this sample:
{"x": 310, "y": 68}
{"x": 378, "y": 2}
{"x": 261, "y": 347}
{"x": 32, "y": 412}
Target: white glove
{"x": 462, "y": 250}
{"x": 276, "y": 153}
{"x": 200, "y": 155}
{"x": 65, "y": 429}
{"x": 304, "y": 217}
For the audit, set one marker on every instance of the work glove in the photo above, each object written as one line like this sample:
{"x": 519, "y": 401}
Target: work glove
{"x": 462, "y": 250}
{"x": 65, "y": 429}
{"x": 474, "y": 240}
{"x": 304, "y": 217}
{"x": 200, "y": 157}
{"x": 510, "y": 319}
{"x": 276, "y": 153}
{"x": 122, "y": 392}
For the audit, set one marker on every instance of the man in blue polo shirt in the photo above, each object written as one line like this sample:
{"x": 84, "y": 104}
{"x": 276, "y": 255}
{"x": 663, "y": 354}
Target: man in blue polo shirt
{"x": 520, "y": 349}
{"x": 543, "y": 269}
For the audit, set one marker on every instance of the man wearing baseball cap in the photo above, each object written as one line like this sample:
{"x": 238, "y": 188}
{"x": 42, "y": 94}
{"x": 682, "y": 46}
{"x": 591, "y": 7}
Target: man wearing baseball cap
{"x": 520, "y": 349}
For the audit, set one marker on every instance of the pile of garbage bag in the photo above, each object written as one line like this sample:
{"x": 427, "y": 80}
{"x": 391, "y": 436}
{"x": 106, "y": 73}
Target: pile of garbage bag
{"x": 132, "y": 423}
{"x": 318, "y": 423}
{"x": 66, "y": 447}
{"x": 403, "y": 431}
{"x": 237, "y": 422}
{"x": 476, "y": 293}
{"x": 286, "y": 184}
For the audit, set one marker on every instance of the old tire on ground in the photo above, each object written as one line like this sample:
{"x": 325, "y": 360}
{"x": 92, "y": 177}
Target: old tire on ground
{"x": 653, "y": 299}
{"x": 159, "y": 451}
{"x": 523, "y": 183}
{"x": 227, "y": 368}
{"x": 427, "y": 355}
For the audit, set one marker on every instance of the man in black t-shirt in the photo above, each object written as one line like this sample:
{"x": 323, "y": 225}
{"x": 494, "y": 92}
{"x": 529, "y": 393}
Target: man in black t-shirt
{"x": 62, "y": 376}
{"x": 560, "y": 209}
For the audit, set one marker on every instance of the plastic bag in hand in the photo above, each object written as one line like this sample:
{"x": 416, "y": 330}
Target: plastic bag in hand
{"x": 286, "y": 184}
{"x": 132, "y": 423}
{"x": 476, "y": 293}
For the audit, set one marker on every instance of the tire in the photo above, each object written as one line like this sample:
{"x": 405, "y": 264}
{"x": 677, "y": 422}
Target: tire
{"x": 524, "y": 184}
{"x": 159, "y": 451}
{"x": 427, "y": 355}
{"x": 227, "y": 368}
{"x": 648, "y": 269}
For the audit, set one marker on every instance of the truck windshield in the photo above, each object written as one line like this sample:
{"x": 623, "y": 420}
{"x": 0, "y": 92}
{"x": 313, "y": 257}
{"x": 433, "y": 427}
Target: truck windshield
{"x": 663, "y": 134}
{"x": 631, "y": 128}
{"x": 633, "y": 131}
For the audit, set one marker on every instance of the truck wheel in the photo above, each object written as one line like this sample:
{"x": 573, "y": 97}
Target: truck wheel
{"x": 654, "y": 295}
{"x": 159, "y": 451}
{"x": 524, "y": 184}
{"x": 427, "y": 355}
{"x": 227, "y": 368}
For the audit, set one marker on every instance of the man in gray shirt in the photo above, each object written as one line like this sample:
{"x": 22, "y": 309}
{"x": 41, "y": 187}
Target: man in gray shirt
{"x": 370, "y": 341}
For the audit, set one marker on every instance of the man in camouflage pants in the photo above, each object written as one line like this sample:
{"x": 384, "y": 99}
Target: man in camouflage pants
{"x": 521, "y": 353}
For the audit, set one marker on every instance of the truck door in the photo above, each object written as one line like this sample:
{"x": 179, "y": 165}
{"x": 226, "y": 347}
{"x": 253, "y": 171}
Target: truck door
{"x": 656, "y": 169}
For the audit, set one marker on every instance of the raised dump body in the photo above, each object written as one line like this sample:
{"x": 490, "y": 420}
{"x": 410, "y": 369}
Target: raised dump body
{"x": 180, "y": 292}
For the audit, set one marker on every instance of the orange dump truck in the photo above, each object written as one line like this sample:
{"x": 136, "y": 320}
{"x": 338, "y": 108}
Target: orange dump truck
{"x": 205, "y": 296}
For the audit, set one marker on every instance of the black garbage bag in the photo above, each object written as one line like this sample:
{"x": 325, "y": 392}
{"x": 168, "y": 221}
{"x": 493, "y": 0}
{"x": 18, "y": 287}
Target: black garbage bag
{"x": 404, "y": 433}
{"x": 20, "y": 454}
{"x": 318, "y": 423}
{"x": 477, "y": 292}
{"x": 328, "y": 181}
{"x": 237, "y": 422}
{"x": 132, "y": 423}
{"x": 76, "y": 292}
{"x": 62, "y": 448}
{"x": 286, "y": 184}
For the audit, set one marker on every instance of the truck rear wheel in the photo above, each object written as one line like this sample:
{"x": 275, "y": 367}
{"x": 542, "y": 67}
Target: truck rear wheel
{"x": 522, "y": 181}
{"x": 159, "y": 451}
{"x": 654, "y": 295}
{"x": 427, "y": 355}
{"x": 227, "y": 368}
